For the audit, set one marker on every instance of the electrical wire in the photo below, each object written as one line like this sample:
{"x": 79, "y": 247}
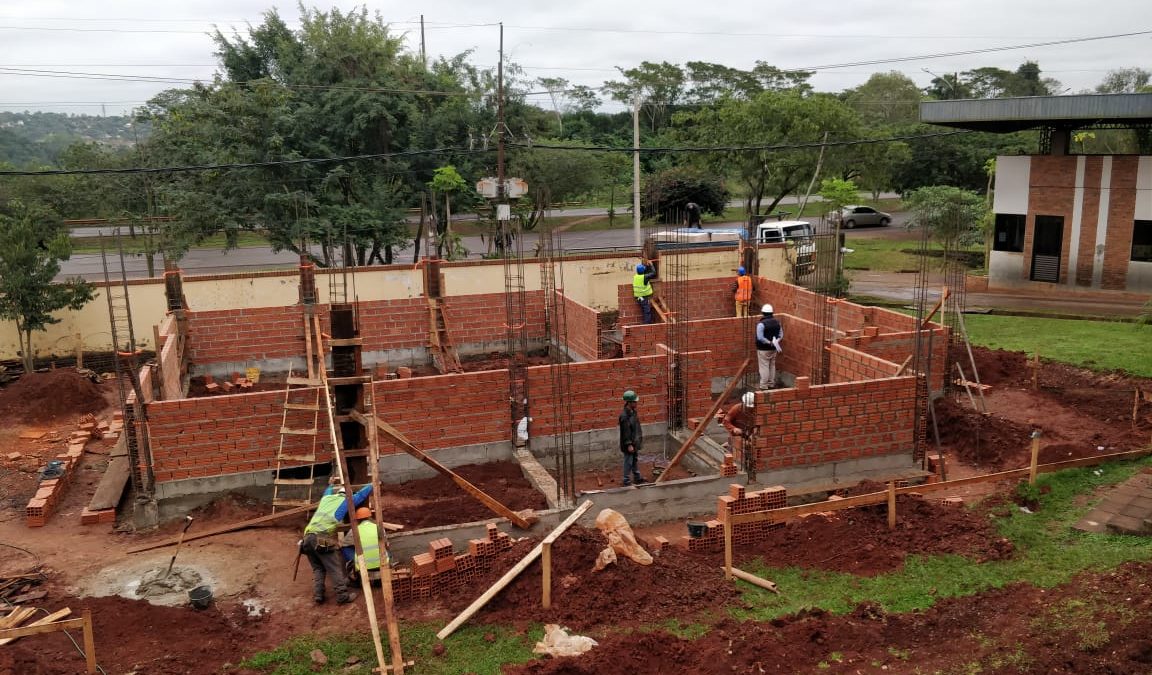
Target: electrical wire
{"x": 739, "y": 148}
{"x": 39, "y": 562}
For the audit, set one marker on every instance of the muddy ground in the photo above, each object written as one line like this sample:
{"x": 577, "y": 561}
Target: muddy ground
{"x": 259, "y": 606}
{"x": 429, "y": 502}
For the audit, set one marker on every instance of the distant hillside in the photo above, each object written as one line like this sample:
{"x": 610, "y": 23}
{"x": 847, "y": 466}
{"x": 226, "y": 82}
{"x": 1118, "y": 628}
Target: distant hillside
{"x": 39, "y": 137}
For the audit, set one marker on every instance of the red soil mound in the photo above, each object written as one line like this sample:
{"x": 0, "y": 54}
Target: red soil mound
{"x": 43, "y": 397}
{"x": 429, "y": 502}
{"x": 986, "y": 441}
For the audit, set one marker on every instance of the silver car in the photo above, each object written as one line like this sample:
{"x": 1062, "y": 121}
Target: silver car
{"x": 850, "y": 216}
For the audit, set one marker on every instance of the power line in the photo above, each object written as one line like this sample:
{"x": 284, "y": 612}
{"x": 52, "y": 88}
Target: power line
{"x": 244, "y": 165}
{"x": 738, "y": 148}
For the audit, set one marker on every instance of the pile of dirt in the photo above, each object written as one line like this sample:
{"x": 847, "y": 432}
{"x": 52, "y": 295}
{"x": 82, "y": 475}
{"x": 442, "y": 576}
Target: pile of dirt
{"x": 1018, "y": 628}
{"x": 985, "y": 441}
{"x": 134, "y": 636}
{"x": 56, "y": 394}
{"x": 429, "y": 502}
{"x": 676, "y": 585}
{"x": 859, "y": 542}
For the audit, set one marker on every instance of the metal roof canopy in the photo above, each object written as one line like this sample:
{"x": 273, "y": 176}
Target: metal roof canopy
{"x": 1002, "y": 115}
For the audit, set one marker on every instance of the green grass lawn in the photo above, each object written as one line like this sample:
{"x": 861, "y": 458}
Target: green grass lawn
{"x": 894, "y": 255}
{"x": 1099, "y": 345}
{"x": 140, "y": 243}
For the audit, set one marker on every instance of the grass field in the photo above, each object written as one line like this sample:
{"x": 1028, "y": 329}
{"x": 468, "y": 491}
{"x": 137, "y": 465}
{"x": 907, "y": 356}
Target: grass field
{"x": 1099, "y": 345}
{"x": 879, "y": 254}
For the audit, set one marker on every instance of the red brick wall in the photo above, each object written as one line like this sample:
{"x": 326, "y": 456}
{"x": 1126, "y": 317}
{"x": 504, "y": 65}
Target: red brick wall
{"x": 1089, "y": 220}
{"x": 704, "y": 299}
{"x": 896, "y": 347}
{"x": 391, "y": 324}
{"x": 482, "y": 318}
{"x": 849, "y": 365}
{"x": 199, "y": 437}
{"x": 1121, "y": 222}
{"x": 444, "y": 411}
{"x": 246, "y": 334}
{"x": 596, "y": 388}
{"x": 835, "y": 422}
{"x": 801, "y": 345}
{"x": 1051, "y": 192}
{"x": 582, "y": 327}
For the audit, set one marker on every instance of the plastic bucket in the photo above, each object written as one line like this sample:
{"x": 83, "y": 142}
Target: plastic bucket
{"x": 696, "y": 529}
{"x": 200, "y": 597}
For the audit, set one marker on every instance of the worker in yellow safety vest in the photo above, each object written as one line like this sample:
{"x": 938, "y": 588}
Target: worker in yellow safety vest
{"x": 369, "y": 541}
{"x": 321, "y": 543}
{"x": 642, "y": 290}
{"x": 742, "y": 290}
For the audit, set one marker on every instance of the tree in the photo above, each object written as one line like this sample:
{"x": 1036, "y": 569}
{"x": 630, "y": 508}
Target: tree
{"x": 658, "y": 86}
{"x": 1124, "y": 81}
{"x": 555, "y": 176}
{"x": 32, "y": 244}
{"x": 665, "y": 194}
{"x": 886, "y": 99}
{"x": 878, "y": 165}
{"x": 447, "y": 181}
{"x": 952, "y": 215}
{"x": 786, "y": 118}
{"x": 837, "y": 193}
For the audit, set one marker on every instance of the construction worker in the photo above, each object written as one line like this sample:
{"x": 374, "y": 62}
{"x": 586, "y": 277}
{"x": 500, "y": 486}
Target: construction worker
{"x": 742, "y": 289}
{"x": 631, "y": 439}
{"x": 769, "y": 333}
{"x": 369, "y": 541}
{"x": 322, "y": 546}
{"x": 692, "y": 215}
{"x": 740, "y": 421}
{"x": 642, "y": 289}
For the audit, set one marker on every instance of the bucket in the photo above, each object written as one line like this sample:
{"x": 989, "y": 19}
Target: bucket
{"x": 696, "y": 529}
{"x": 200, "y": 597}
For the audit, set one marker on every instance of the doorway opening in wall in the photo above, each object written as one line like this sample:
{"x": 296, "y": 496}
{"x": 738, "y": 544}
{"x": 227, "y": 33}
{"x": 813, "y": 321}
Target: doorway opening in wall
{"x": 1009, "y": 232}
{"x": 1047, "y": 245}
{"x": 1142, "y": 241}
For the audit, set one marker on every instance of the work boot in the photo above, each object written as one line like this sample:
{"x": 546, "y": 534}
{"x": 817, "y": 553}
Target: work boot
{"x": 639, "y": 480}
{"x": 627, "y": 483}
{"x": 318, "y": 599}
{"x": 351, "y": 597}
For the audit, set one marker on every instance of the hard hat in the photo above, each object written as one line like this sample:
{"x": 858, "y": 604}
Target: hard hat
{"x": 749, "y": 400}
{"x": 631, "y": 396}
{"x": 640, "y": 269}
{"x": 740, "y": 270}
{"x": 340, "y": 490}
{"x": 766, "y": 309}
{"x": 363, "y": 513}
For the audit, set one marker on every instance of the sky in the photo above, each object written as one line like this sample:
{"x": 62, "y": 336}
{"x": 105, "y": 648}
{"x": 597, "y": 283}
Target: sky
{"x": 79, "y": 48}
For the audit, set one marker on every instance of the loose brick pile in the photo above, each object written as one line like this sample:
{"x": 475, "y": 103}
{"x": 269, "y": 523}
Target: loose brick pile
{"x": 738, "y": 501}
{"x": 50, "y": 492}
{"x": 440, "y": 569}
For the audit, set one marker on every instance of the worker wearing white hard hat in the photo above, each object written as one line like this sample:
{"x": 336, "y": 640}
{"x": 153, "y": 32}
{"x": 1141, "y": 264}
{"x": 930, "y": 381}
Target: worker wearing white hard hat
{"x": 769, "y": 333}
{"x": 740, "y": 421}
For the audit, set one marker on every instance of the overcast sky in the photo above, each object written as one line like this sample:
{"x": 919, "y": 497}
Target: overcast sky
{"x": 581, "y": 40}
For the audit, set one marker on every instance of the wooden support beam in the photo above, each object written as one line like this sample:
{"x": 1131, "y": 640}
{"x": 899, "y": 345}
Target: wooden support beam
{"x": 904, "y": 366}
{"x": 10, "y": 635}
{"x": 944, "y": 293}
{"x": 512, "y": 573}
{"x": 407, "y": 446}
{"x": 753, "y": 579}
{"x": 891, "y": 505}
{"x": 1034, "y": 464}
{"x": 546, "y": 566}
{"x": 707, "y": 419}
{"x": 728, "y": 547}
{"x": 242, "y": 525}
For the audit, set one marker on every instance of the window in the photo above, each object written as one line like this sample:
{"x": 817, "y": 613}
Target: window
{"x": 1142, "y": 241}
{"x": 864, "y": 209}
{"x": 1009, "y": 233}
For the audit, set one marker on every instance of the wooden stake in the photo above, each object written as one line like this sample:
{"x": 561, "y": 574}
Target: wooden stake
{"x": 1135, "y": 405}
{"x": 891, "y": 505}
{"x": 704, "y": 422}
{"x": 728, "y": 546}
{"x": 1035, "y": 457}
{"x": 754, "y": 580}
{"x": 546, "y": 564}
{"x": 935, "y": 308}
{"x": 89, "y": 642}
{"x": 79, "y": 351}
{"x": 512, "y": 573}
{"x": 1036, "y": 371}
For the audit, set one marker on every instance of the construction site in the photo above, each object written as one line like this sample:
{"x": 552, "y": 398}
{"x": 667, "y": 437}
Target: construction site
{"x": 156, "y": 507}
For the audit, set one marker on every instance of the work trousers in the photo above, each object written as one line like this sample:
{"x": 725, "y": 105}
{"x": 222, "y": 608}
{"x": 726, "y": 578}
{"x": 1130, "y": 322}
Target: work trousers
{"x": 328, "y": 562}
{"x": 766, "y": 360}
{"x": 742, "y": 308}
{"x": 631, "y": 468}
{"x": 645, "y": 308}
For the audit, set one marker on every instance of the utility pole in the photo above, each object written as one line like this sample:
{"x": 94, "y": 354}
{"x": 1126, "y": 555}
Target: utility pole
{"x": 500, "y": 122}
{"x": 636, "y": 167}
{"x": 423, "y": 53}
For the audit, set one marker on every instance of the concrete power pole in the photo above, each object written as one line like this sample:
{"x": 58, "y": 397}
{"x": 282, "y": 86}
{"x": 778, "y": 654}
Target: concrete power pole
{"x": 636, "y": 168}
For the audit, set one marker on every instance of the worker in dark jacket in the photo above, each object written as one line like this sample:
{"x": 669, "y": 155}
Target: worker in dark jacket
{"x": 631, "y": 439}
{"x": 769, "y": 333}
{"x": 322, "y": 545}
{"x": 740, "y": 421}
{"x": 642, "y": 289}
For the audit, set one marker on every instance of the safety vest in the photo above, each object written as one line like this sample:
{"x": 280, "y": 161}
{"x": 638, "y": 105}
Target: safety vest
{"x": 641, "y": 288}
{"x": 324, "y": 520}
{"x": 370, "y": 542}
{"x": 743, "y": 288}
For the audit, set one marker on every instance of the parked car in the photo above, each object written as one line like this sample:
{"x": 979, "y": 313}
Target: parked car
{"x": 850, "y": 216}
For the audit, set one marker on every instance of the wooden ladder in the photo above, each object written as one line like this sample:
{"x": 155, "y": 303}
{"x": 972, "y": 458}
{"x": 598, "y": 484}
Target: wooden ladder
{"x": 300, "y": 421}
{"x": 661, "y": 309}
{"x": 444, "y": 354}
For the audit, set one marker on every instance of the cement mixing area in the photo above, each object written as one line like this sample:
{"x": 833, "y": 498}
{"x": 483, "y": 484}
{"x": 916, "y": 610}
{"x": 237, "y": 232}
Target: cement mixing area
{"x": 896, "y": 500}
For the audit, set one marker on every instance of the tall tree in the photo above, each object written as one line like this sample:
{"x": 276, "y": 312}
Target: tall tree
{"x": 886, "y": 99}
{"x": 658, "y": 86}
{"x": 33, "y": 241}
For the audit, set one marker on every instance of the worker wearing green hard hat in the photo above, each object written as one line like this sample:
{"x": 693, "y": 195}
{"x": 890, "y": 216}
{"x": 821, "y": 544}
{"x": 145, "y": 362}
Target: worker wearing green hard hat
{"x": 631, "y": 439}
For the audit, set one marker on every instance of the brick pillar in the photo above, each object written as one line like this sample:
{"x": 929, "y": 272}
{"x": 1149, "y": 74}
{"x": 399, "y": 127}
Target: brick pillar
{"x": 307, "y": 281}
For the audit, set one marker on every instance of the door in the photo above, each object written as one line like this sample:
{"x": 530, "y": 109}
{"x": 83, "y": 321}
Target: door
{"x": 1046, "y": 244}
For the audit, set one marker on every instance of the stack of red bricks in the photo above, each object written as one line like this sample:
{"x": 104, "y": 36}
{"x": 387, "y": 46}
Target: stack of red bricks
{"x": 729, "y": 468}
{"x": 739, "y": 501}
{"x": 440, "y": 568}
{"x": 49, "y": 493}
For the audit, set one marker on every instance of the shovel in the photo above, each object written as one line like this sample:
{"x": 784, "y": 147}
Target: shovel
{"x": 179, "y": 541}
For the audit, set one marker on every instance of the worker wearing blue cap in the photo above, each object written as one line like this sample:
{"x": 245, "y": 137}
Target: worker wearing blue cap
{"x": 642, "y": 289}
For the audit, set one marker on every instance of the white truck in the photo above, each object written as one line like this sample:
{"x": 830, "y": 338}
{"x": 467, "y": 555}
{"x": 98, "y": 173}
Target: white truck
{"x": 798, "y": 233}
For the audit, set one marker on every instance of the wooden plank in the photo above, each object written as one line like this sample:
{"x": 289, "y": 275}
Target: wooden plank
{"x": 244, "y": 524}
{"x": 754, "y": 580}
{"x": 728, "y": 547}
{"x": 407, "y": 446}
{"x": 512, "y": 573}
{"x": 546, "y": 565}
{"x": 89, "y": 643}
{"x": 12, "y": 634}
{"x": 935, "y": 308}
{"x": 704, "y": 422}
{"x": 1034, "y": 462}
{"x": 112, "y": 483}
{"x": 891, "y": 505}
{"x": 18, "y": 616}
